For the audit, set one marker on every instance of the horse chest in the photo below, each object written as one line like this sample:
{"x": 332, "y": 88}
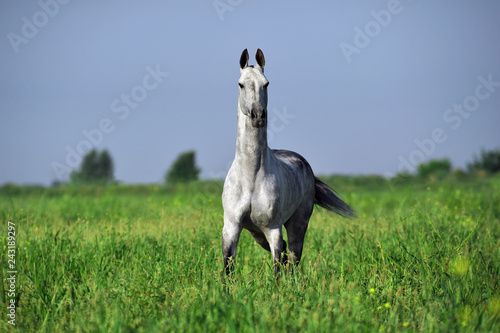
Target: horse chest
{"x": 256, "y": 205}
{"x": 263, "y": 207}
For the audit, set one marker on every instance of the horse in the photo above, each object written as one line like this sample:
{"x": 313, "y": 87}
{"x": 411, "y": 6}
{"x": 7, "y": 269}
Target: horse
{"x": 266, "y": 189}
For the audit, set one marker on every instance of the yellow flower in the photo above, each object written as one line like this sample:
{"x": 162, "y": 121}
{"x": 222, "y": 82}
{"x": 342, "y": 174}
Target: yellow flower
{"x": 494, "y": 305}
{"x": 371, "y": 290}
{"x": 387, "y": 305}
{"x": 405, "y": 324}
{"x": 460, "y": 266}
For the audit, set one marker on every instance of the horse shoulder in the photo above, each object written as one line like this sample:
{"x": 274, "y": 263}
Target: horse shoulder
{"x": 234, "y": 201}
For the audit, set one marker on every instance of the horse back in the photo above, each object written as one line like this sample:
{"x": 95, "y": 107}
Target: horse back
{"x": 292, "y": 159}
{"x": 298, "y": 172}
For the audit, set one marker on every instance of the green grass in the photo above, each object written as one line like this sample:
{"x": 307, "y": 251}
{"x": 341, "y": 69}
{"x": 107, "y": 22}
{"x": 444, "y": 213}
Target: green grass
{"x": 419, "y": 257}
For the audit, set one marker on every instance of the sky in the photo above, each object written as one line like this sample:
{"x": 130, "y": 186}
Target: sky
{"x": 356, "y": 87}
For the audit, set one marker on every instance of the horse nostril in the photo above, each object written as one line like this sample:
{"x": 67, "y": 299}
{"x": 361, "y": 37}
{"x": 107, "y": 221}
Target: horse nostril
{"x": 252, "y": 114}
{"x": 263, "y": 114}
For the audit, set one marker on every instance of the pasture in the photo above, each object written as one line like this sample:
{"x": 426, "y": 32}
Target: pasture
{"x": 420, "y": 256}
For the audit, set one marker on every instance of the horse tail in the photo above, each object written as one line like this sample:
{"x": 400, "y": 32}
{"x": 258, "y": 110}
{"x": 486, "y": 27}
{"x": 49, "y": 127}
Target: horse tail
{"x": 325, "y": 197}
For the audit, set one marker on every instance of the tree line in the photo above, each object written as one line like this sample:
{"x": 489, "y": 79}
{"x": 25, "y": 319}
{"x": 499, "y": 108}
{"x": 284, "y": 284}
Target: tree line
{"x": 486, "y": 162}
{"x": 98, "y": 167}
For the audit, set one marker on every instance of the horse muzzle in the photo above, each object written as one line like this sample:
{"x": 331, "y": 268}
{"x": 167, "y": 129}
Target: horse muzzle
{"x": 259, "y": 117}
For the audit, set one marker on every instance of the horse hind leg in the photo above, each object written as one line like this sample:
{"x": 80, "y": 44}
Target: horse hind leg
{"x": 296, "y": 228}
{"x": 260, "y": 239}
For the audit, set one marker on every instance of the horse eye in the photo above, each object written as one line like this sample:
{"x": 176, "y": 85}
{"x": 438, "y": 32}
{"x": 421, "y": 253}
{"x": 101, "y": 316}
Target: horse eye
{"x": 241, "y": 86}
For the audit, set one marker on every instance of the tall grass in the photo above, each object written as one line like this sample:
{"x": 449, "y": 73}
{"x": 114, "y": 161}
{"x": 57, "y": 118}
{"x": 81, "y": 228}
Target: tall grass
{"x": 419, "y": 257}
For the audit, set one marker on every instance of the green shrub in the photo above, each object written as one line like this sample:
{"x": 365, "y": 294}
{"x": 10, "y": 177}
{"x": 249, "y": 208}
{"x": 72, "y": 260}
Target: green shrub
{"x": 434, "y": 168}
{"x": 488, "y": 161}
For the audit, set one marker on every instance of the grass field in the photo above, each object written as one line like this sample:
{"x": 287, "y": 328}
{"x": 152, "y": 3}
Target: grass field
{"x": 419, "y": 257}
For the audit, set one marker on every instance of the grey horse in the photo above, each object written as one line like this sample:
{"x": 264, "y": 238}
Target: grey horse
{"x": 264, "y": 188}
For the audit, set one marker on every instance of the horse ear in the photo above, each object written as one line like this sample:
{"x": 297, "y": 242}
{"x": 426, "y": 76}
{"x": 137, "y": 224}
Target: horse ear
{"x": 261, "y": 61}
{"x": 244, "y": 59}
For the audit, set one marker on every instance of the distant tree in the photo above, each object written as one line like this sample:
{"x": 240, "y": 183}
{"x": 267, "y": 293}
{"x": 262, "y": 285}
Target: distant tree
{"x": 184, "y": 169}
{"x": 95, "y": 168}
{"x": 488, "y": 161}
{"x": 434, "y": 167}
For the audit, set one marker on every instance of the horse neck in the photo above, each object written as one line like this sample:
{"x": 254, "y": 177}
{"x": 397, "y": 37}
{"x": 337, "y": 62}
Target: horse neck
{"x": 251, "y": 144}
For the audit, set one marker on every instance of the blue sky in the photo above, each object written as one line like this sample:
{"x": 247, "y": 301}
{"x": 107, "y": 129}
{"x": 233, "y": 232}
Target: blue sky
{"x": 356, "y": 87}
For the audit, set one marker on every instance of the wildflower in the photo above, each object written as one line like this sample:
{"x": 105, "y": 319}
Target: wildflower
{"x": 494, "y": 306}
{"x": 405, "y": 324}
{"x": 371, "y": 290}
{"x": 460, "y": 266}
{"x": 465, "y": 315}
{"x": 387, "y": 305}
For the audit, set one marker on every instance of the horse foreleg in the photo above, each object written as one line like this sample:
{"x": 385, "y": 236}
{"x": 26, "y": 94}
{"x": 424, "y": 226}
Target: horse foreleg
{"x": 230, "y": 236}
{"x": 262, "y": 241}
{"x": 277, "y": 246}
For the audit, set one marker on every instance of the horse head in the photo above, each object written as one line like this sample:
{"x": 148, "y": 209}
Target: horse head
{"x": 252, "y": 95}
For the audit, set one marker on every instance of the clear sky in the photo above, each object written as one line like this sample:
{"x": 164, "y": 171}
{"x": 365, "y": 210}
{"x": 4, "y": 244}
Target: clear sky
{"x": 356, "y": 87}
